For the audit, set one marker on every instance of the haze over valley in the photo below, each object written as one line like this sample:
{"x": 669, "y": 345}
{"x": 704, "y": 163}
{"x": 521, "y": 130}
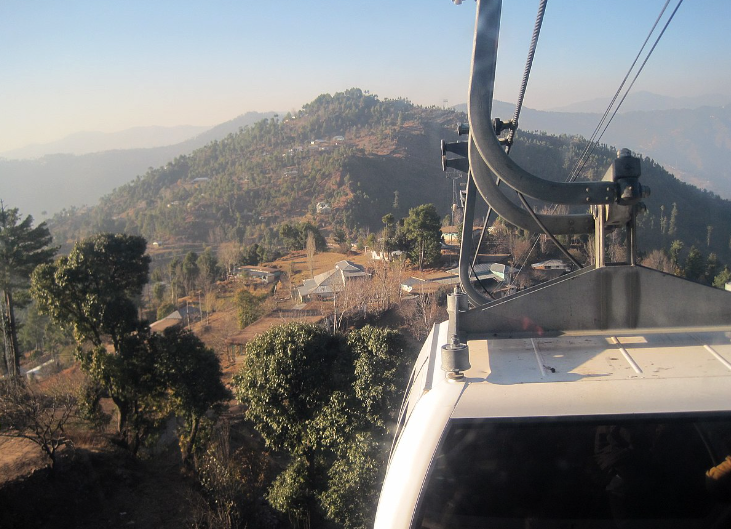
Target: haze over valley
{"x": 226, "y": 233}
{"x": 78, "y": 170}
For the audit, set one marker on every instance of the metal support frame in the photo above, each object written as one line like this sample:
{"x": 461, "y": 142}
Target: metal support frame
{"x": 603, "y": 298}
{"x": 612, "y": 298}
{"x": 599, "y": 236}
{"x": 482, "y": 133}
{"x": 465, "y": 248}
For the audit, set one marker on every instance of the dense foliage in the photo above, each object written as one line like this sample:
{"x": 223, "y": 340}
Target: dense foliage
{"x": 294, "y": 236}
{"x": 22, "y": 248}
{"x": 243, "y": 187}
{"x": 325, "y": 400}
{"x": 147, "y": 376}
{"x": 422, "y": 231}
{"x": 95, "y": 286}
{"x": 248, "y": 307}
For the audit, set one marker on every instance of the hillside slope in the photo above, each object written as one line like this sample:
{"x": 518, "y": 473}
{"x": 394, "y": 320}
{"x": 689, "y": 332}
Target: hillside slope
{"x": 65, "y": 181}
{"x": 90, "y": 141}
{"x": 694, "y": 143}
{"x": 364, "y": 158}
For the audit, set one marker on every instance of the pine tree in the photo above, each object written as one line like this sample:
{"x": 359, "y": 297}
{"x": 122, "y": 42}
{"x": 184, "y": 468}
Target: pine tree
{"x": 694, "y": 264}
{"x": 423, "y": 230}
{"x": 22, "y": 248}
{"x": 673, "y": 226}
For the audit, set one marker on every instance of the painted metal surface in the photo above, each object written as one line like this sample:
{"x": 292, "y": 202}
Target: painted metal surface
{"x": 656, "y": 374}
{"x": 613, "y": 297}
{"x": 614, "y": 341}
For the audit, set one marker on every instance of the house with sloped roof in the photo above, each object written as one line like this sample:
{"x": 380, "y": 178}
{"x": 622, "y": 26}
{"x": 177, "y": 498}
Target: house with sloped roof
{"x": 183, "y": 316}
{"x": 264, "y": 274}
{"x": 326, "y": 285}
{"x": 478, "y": 271}
{"x": 552, "y": 264}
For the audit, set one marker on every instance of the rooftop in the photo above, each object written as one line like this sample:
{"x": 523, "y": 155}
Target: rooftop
{"x": 590, "y": 374}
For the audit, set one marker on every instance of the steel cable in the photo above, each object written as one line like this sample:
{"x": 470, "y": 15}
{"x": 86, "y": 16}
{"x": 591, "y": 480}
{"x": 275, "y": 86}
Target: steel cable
{"x": 584, "y": 158}
{"x": 518, "y": 106}
{"x": 593, "y": 140}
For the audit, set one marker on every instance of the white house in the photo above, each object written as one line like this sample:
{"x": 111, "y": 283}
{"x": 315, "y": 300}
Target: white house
{"x": 327, "y": 284}
{"x": 264, "y": 274}
{"x": 552, "y": 264}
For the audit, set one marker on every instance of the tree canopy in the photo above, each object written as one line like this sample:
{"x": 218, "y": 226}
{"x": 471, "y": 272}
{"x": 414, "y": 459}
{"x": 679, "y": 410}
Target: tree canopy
{"x": 422, "y": 228}
{"x": 294, "y": 236}
{"x": 22, "y": 248}
{"x": 248, "y": 307}
{"x": 95, "y": 287}
{"x": 147, "y": 375}
{"x": 286, "y": 375}
{"x": 324, "y": 399}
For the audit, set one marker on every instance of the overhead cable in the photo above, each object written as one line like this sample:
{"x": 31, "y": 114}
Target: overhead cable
{"x": 594, "y": 140}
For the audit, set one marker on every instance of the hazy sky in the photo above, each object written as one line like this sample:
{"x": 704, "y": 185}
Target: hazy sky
{"x": 77, "y": 65}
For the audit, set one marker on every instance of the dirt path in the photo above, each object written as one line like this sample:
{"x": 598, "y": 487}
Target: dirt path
{"x": 18, "y": 457}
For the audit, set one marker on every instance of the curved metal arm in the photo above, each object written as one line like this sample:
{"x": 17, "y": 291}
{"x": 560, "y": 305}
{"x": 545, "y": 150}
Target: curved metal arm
{"x": 485, "y": 181}
{"x": 465, "y": 247}
{"x": 482, "y": 82}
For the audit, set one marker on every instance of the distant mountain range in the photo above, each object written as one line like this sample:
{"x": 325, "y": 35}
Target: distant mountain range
{"x": 54, "y": 182}
{"x": 90, "y": 142}
{"x": 646, "y": 101}
{"x": 365, "y": 158}
{"x": 694, "y": 143}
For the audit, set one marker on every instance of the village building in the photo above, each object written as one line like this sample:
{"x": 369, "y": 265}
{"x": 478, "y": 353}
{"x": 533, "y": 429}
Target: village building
{"x": 451, "y": 235}
{"x": 481, "y": 271}
{"x": 324, "y": 286}
{"x": 429, "y": 283}
{"x": 382, "y": 255}
{"x": 552, "y": 264}
{"x": 264, "y": 274}
{"x": 183, "y": 316}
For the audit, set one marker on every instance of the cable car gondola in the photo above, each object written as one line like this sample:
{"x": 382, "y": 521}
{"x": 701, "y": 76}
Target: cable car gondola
{"x": 601, "y": 398}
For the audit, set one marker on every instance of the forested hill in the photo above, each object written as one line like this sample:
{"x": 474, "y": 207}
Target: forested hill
{"x": 364, "y": 157}
{"x": 65, "y": 181}
{"x": 675, "y": 210}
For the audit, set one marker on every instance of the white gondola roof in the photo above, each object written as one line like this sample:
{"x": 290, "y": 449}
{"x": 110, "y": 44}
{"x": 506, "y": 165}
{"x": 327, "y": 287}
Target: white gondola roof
{"x": 664, "y": 371}
{"x": 594, "y": 374}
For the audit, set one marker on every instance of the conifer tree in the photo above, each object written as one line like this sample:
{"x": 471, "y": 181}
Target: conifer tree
{"x": 22, "y": 248}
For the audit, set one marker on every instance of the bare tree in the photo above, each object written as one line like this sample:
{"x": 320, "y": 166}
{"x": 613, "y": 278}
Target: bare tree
{"x": 616, "y": 249}
{"x": 229, "y": 255}
{"x": 351, "y": 300}
{"x": 658, "y": 260}
{"x": 590, "y": 249}
{"x": 311, "y": 248}
{"x": 39, "y": 416}
{"x": 519, "y": 249}
{"x": 421, "y": 313}
{"x": 230, "y": 481}
{"x": 386, "y": 283}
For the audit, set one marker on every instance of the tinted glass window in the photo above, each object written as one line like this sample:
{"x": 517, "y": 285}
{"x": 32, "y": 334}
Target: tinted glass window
{"x": 581, "y": 474}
